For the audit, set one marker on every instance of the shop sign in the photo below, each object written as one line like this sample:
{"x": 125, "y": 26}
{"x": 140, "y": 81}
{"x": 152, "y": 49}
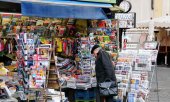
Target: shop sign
{"x": 126, "y": 20}
{"x": 104, "y": 1}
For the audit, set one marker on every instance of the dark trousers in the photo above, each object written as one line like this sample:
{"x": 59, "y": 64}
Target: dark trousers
{"x": 101, "y": 99}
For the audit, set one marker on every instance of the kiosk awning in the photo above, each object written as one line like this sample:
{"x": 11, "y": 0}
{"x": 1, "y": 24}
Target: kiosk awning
{"x": 64, "y": 9}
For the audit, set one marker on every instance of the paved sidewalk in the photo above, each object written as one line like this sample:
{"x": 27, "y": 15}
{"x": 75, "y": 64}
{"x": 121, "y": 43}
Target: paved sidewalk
{"x": 163, "y": 92}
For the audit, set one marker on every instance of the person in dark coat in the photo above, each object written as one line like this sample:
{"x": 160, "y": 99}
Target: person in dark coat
{"x": 104, "y": 70}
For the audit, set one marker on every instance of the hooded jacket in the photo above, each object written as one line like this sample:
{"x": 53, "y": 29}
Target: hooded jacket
{"x": 104, "y": 67}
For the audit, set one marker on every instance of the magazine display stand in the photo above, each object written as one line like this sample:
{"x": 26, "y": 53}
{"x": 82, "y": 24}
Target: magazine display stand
{"x": 105, "y": 33}
{"x": 135, "y": 69}
{"x": 79, "y": 72}
{"x": 32, "y": 67}
{"x": 153, "y": 47}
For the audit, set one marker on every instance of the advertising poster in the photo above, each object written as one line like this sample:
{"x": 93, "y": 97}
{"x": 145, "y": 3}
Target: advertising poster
{"x": 126, "y": 20}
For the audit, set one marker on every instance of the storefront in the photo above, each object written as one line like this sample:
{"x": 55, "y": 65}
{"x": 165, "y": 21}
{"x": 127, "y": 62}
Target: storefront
{"x": 54, "y": 52}
{"x": 51, "y": 42}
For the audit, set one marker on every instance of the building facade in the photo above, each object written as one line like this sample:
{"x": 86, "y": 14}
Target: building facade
{"x": 146, "y": 9}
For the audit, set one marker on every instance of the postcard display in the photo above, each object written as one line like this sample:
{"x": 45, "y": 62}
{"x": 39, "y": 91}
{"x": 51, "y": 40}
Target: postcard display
{"x": 134, "y": 70}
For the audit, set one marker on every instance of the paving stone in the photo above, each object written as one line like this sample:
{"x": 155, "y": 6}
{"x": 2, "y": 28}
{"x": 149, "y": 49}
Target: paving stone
{"x": 163, "y": 90}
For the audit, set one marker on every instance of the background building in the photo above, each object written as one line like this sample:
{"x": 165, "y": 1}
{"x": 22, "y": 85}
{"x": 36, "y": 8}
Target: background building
{"x": 146, "y": 9}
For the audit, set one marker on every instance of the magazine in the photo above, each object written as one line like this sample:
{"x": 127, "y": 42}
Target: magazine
{"x": 120, "y": 94}
{"x": 123, "y": 87}
{"x": 132, "y": 97}
{"x": 6, "y": 18}
{"x": 44, "y": 52}
{"x": 38, "y": 74}
{"x": 143, "y": 62}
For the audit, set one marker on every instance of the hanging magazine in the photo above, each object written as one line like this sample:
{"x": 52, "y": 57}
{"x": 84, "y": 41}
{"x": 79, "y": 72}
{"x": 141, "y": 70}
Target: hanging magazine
{"x": 38, "y": 74}
{"x": 6, "y": 18}
{"x": 44, "y": 52}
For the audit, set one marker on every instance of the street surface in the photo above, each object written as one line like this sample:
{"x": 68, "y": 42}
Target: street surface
{"x": 162, "y": 94}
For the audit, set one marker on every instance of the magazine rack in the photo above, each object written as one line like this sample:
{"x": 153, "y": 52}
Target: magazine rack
{"x": 33, "y": 61}
{"x": 144, "y": 63}
{"x": 155, "y": 48}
